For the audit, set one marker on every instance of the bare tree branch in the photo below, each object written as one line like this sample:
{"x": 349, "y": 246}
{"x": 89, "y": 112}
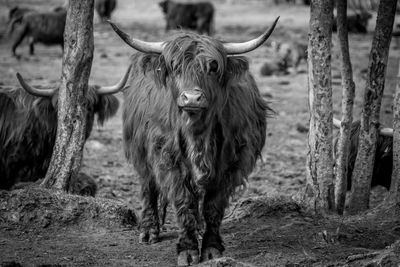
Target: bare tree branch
{"x": 319, "y": 190}
{"x": 362, "y": 173}
{"x": 348, "y": 89}
{"x": 77, "y": 62}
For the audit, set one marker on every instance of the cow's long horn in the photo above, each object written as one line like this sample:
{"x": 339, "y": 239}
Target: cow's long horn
{"x": 105, "y": 90}
{"x": 240, "y": 48}
{"x": 142, "y": 46}
{"x": 32, "y": 90}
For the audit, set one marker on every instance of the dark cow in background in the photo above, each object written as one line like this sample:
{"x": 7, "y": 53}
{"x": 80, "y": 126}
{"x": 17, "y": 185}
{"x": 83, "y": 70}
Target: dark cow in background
{"x": 383, "y": 165}
{"x": 194, "y": 124}
{"x": 104, "y": 8}
{"x": 39, "y": 27}
{"x": 192, "y": 16}
{"x": 28, "y": 126}
{"x": 356, "y": 23}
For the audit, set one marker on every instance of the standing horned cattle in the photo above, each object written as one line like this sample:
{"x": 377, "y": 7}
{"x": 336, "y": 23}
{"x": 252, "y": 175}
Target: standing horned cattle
{"x": 104, "y": 8}
{"x": 39, "y": 27}
{"x": 193, "y": 16}
{"x": 28, "y": 126}
{"x": 383, "y": 165}
{"x": 194, "y": 124}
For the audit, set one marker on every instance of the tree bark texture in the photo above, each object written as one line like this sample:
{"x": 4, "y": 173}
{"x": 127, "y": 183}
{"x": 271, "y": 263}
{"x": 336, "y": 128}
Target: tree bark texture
{"x": 362, "y": 173}
{"x": 395, "y": 184}
{"x": 77, "y": 62}
{"x": 348, "y": 89}
{"x": 319, "y": 193}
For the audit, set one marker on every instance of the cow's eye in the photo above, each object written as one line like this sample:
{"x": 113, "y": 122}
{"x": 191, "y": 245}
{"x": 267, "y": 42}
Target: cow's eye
{"x": 213, "y": 67}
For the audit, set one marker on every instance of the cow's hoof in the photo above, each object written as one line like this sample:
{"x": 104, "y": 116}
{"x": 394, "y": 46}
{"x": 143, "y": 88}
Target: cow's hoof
{"x": 210, "y": 253}
{"x": 188, "y": 257}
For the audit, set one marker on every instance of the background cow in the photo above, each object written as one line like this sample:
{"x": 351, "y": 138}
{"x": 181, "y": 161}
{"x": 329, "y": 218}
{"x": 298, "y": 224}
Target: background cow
{"x": 291, "y": 53}
{"x": 194, "y": 124}
{"x": 193, "y": 16}
{"x": 104, "y": 8}
{"x": 274, "y": 66}
{"x": 43, "y": 27}
{"x": 356, "y": 23}
{"x": 28, "y": 126}
{"x": 383, "y": 166}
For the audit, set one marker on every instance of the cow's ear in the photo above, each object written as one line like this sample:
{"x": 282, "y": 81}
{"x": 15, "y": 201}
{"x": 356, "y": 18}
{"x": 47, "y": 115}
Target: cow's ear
{"x": 155, "y": 65}
{"x": 106, "y": 107}
{"x": 236, "y": 66}
{"x": 160, "y": 72}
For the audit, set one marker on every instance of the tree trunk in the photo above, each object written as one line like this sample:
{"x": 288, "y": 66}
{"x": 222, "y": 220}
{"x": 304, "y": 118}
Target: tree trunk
{"x": 77, "y": 62}
{"x": 363, "y": 169}
{"x": 319, "y": 189}
{"x": 395, "y": 184}
{"x": 348, "y": 89}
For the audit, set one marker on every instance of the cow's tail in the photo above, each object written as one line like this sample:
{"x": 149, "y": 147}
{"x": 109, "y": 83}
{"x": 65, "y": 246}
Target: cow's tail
{"x": 11, "y": 24}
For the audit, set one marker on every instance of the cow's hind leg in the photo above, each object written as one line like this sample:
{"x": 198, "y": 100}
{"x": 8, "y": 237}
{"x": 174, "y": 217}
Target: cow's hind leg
{"x": 187, "y": 213}
{"x": 214, "y": 207}
{"x": 21, "y": 33}
{"x": 149, "y": 225}
{"x": 31, "y": 46}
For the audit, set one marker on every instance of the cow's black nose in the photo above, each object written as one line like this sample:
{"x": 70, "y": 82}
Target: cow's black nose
{"x": 193, "y": 99}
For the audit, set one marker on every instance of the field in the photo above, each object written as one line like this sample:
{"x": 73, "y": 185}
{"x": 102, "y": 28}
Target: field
{"x": 263, "y": 225}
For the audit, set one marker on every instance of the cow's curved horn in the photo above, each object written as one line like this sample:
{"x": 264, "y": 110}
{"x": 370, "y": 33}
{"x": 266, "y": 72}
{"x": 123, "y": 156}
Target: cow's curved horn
{"x": 240, "y": 48}
{"x": 105, "y": 90}
{"x": 32, "y": 90}
{"x": 142, "y": 46}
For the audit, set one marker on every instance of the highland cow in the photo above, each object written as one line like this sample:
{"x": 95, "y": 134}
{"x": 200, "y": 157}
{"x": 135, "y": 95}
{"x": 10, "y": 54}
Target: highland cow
{"x": 28, "y": 126}
{"x": 191, "y": 16}
{"x": 104, "y": 8}
{"x": 39, "y": 27}
{"x": 194, "y": 124}
{"x": 383, "y": 165}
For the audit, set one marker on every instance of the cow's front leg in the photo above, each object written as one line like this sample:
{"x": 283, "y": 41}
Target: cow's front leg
{"x": 149, "y": 224}
{"x": 214, "y": 207}
{"x": 187, "y": 213}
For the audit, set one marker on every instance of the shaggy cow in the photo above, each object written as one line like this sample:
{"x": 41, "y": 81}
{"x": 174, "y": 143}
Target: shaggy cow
{"x": 356, "y": 23}
{"x": 104, "y": 8}
{"x": 42, "y": 27}
{"x": 382, "y": 172}
{"x": 28, "y": 126}
{"x": 194, "y": 124}
{"x": 193, "y": 16}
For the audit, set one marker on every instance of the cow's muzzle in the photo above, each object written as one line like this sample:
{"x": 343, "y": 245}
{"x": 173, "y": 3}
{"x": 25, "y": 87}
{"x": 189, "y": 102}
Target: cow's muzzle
{"x": 192, "y": 101}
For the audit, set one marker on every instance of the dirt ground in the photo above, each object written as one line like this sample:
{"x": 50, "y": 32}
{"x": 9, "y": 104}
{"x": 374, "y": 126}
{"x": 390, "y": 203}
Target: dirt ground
{"x": 263, "y": 225}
